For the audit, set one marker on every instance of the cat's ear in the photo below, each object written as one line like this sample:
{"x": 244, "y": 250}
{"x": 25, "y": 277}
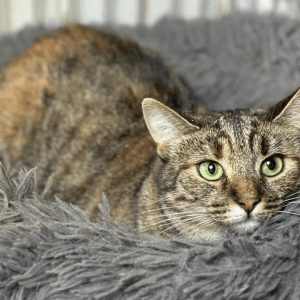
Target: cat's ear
{"x": 287, "y": 111}
{"x": 164, "y": 124}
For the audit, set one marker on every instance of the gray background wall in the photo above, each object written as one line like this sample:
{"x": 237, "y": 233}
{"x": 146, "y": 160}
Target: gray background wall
{"x": 14, "y": 14}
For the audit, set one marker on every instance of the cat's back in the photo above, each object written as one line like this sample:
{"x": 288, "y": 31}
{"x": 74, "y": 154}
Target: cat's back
{"x": 72, "y": 106}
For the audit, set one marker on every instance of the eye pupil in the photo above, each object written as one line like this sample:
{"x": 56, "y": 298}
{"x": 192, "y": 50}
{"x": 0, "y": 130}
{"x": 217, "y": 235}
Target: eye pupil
{"x": 211, "y": 168}
{"x": 271, "y": 163}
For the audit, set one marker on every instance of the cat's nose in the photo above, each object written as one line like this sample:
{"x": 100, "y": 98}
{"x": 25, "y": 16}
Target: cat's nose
{"x": 248, "y": 204}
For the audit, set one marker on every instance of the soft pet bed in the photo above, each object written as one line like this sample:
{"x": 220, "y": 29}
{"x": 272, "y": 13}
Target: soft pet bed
{"x": 49, "y": 249}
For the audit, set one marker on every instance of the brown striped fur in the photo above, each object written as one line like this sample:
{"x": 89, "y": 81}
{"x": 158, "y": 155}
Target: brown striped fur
{"x": 71, "y": 104}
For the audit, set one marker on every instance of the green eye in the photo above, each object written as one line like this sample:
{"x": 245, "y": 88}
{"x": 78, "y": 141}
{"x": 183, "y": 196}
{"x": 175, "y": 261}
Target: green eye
{"x": 210, "y": 170}
{"x": 272, "y": 166}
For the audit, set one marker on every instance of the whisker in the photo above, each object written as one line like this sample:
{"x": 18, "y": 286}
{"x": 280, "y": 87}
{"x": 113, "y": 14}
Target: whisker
{"x": 288, "y": 212}
{"x": 201, "y": 224}
{"x": 162, "y": 208}
{"x": 293, "y": 202}
{"x": 207, "y": 221}
{"x": 167, "y": 202}
{"x": 168, "y": 228}
{"x": 174, "y": 225}
{"x": 177, "y": 217}
{"x": 171, "y": 207}
{"x": 190, "y": 216}
{"x": 293, "y": 194}
{"x": 219, "y": 229}
{"x": 290, "y": 199}
{"x": 204, "y": 222}
{"x": 290, "y": 203}
{"x": 196, "y": 213}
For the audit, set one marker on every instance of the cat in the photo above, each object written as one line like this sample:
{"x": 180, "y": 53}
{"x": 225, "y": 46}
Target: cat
{"x": 73, "y": 106}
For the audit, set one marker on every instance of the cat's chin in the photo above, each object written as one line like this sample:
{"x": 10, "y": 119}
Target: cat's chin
{"x": 247, "y": 226}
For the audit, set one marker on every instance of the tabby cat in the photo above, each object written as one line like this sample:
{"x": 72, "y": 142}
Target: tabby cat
{"x": 72, "y": 105}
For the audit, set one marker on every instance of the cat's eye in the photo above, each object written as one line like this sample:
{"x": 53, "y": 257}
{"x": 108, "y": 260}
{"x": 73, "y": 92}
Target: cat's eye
{"x": 210, "y": 170}
{"x": 272, "y": 166}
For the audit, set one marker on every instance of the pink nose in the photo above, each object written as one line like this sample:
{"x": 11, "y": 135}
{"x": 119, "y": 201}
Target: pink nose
{"x": 248, "y": 204}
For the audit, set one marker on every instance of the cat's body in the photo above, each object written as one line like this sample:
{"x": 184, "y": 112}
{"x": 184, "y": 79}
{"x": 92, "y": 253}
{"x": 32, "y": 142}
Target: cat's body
{"x": 71, "y": 105}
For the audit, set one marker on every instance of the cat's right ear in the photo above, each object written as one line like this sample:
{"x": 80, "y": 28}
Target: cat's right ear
{"x": 164, "y": 124}
{"x": 287, "y": 111}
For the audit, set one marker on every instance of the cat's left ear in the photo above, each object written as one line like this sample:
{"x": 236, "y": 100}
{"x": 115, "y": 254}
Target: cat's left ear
{"x": 287, "y": 111}
{"x": 164, "y": 124}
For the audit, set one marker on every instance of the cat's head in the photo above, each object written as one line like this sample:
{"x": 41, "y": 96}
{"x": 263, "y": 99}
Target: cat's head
{"x": 225, "y": 171}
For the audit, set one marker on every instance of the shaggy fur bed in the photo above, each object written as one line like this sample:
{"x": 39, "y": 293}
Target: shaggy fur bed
{"x": 49, "y": 249}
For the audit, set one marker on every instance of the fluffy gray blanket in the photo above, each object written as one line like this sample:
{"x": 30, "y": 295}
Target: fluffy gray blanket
{"x": 49, "y": 249}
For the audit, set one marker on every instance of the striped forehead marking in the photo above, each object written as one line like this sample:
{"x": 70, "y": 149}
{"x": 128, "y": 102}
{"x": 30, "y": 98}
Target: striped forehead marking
{"x": 240, "y": 130}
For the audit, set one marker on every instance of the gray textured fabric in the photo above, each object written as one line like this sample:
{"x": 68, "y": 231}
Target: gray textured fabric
{"x": 49, "y": 250}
